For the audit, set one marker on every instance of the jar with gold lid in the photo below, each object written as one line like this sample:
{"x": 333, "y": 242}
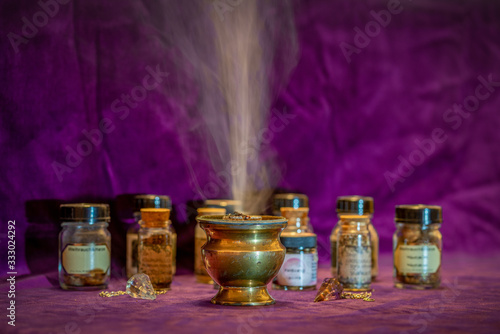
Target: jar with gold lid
{"x": 417, "y": 246}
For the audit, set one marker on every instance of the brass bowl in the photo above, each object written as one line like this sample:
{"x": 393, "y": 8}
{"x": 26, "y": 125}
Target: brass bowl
{"x": 243, "y": 256}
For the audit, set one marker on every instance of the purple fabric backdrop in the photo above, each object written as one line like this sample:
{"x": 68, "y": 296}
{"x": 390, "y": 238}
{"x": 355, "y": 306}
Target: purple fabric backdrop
{"x": 368, "y": 113}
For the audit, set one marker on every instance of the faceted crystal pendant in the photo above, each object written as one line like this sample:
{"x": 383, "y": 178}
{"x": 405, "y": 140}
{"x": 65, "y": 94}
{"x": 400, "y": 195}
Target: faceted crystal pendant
{"x": 139, "y": 286}
{"x": 331, "y": 288}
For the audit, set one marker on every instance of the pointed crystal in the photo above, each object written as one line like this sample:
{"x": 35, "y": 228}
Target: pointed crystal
{"x": 331, "y": 288}
{"x": 139, "y": 286}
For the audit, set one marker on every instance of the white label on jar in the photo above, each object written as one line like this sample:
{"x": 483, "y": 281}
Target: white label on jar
{"x": 298, "y": 270}
{"x": 355, "y": 265}
{"x": 417, "y": 259}
{"x": 81, "y": 259}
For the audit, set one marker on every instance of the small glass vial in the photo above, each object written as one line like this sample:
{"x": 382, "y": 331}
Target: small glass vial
{"x": 291, "y": 200}
{"x": 84, "y": 246}
{"x": 200, "y": 238}
{"x": 155, "y": 247}
{"x": 144, "y": 201}
{"x": 299, "y": 270}
{"x": 298, "y": 220}
{"x": 362, "y": 206}
{"x": 418, "y": 247}
{"x": 354, "y": 253}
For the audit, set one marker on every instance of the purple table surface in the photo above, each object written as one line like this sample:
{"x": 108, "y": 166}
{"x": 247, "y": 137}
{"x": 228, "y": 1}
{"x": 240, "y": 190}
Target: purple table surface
{"x": 468, "y": 301}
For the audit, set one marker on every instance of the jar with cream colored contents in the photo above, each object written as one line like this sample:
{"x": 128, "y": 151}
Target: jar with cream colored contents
{"x": 299, "y": 270}
{"x": 417, "y": 247}
{"x": 84, "y": 246}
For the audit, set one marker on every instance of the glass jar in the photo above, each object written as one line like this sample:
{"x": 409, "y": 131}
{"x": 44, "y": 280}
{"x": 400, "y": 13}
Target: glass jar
{"x": 362, "y": 206}
{"x": 297, "y": 220}
{"x": 291, "y": 200}
{"x": 417, "y": 247}
{"x": 200, "y": 238}
{"x": 354, "y": 253}
{"x": 156, "y": 247}
{"x": 84, "y": 246}
{"x": 143, "y": 201}
{"x": 299, "y": 270}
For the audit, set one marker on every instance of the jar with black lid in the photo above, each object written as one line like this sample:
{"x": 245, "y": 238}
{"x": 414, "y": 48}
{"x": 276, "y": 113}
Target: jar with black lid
{"x": 299, "y": 270}
{"x": 418, "y": 246}
{"x": 361, "y": 206}
{"x": 84, "y": 246}
{"x": 291, "y": 200}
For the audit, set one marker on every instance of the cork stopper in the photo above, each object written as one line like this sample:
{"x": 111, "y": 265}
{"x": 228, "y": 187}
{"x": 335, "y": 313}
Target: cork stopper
{"x": 211, "y": 211}
{"x": 294, "y": 213}
{"x": 155, "y": 217}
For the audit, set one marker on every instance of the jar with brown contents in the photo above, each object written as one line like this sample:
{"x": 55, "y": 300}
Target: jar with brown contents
{"x": 141, "y": 202}
{"x": 155, "y": 247}
{"x": 417, "y": 247}
{"x": 84, "y": 247}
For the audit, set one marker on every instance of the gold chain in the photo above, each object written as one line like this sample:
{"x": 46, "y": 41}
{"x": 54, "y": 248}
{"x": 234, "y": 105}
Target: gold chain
{"x": 121, "y": 293}
{"x": 366, "y": 296}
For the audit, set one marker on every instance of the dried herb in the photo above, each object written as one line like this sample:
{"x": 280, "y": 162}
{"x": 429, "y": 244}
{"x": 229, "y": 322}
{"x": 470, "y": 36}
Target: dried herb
{"x": 354, "y": 261}
{"x": 155, "y": 260}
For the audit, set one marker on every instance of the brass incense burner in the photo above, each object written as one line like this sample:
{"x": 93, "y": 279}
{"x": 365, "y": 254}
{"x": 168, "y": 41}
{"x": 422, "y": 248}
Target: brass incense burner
{"x": 242, "y": 254}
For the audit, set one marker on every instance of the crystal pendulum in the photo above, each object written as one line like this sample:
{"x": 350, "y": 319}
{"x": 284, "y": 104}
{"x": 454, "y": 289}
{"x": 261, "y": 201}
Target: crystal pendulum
{"x": 138, "y": 286}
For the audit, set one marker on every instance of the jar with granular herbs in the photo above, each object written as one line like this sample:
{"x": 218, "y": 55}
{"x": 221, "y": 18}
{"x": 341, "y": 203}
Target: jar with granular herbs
{"x": 84, "y": 246}
{"x": 299, "y": 270}
{"x": 361, "y": 206}
{"x": 156, "y": 247}
{"x": 417, "y": 246}
{"x": 142, "y": 202}
{"x": 354, "y": 253}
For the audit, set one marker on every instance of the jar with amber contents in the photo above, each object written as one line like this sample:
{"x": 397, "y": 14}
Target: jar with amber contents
{"x": 141, "y": 202}
{"x": 417, "y": 247}
{"x": 291, "y": 200}
{"x": 298, "y": 221}
{"x": 200, "y": 238}
{"x": 84, "y": 246}
{"x": 155, "y": 247}
{"x": 361, "y": 206}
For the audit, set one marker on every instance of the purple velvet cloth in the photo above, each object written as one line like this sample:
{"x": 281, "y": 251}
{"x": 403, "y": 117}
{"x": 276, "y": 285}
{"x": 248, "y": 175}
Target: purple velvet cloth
{"x": 375, "y": 113}
{"x": 468, "y": 302}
